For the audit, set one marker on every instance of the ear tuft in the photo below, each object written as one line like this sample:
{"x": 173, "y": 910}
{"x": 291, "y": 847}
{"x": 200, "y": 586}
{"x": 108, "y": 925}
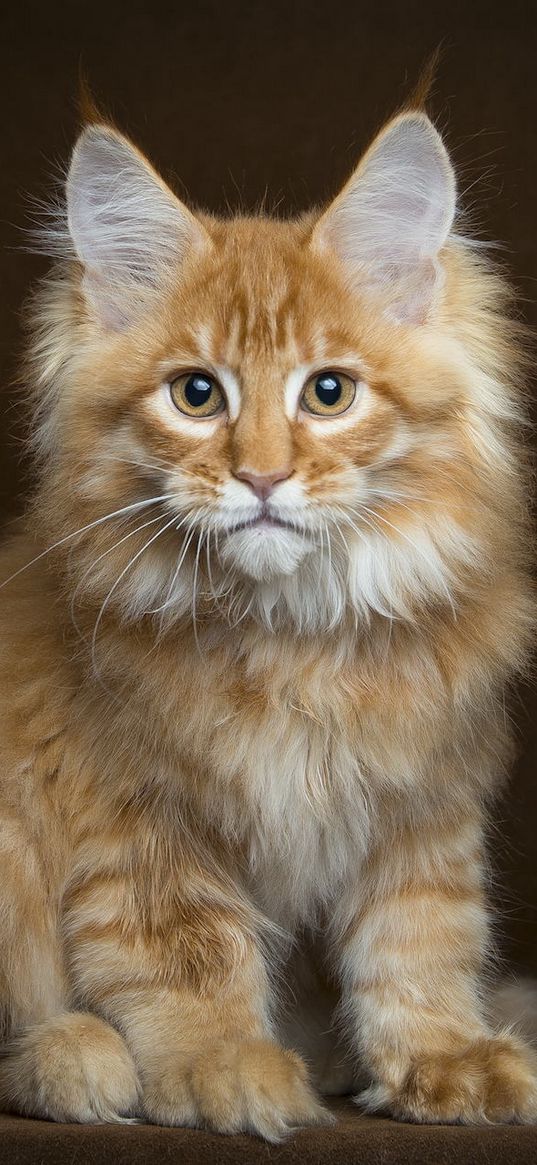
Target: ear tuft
{"x": 420, "y": 94}
{"x": 391, "y": 220}
{"x": 90, "y": 111}
{"x": 128, "y": 229}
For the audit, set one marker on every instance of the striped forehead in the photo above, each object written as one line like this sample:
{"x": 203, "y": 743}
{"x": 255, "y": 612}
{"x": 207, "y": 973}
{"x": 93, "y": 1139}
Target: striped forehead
{"x": 266, "y": 325}
{"x": 260, "y": 352}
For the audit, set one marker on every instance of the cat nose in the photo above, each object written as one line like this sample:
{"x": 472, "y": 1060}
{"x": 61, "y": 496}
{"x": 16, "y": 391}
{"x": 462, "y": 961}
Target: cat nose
{"x": 263, "y": 483}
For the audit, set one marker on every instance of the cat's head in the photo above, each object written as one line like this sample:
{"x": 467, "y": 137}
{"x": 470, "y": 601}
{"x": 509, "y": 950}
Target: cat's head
{"x": 293, "y": 393}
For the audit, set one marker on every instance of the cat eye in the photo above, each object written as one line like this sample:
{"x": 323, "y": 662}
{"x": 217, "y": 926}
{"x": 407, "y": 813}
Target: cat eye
{"x": 197, "y": 395}
{"x": 328, "y": 394}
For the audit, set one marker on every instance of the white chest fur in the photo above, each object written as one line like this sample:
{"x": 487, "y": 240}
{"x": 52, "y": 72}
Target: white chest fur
{"x": 291, "y": 791}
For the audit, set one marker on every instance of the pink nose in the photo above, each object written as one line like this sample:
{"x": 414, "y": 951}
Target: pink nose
{"x": 263, "y": 484}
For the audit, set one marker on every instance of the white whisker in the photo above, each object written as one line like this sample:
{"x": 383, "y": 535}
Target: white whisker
{"x": 403, "y": 534}
{"x": 110, "y": 550}
{"x": 221, "y": 594}
{"x": 90, "y": 526}
{"x": 321, "y": 556}
{"x": 208, "y": 557}
{"x": 128, "y": 567}
{"x": 182, "y": 554}
{"x": 194, "y": 582}
{"x": 245, "y": 613}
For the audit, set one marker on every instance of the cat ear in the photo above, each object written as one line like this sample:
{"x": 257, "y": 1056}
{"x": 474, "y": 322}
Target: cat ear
{"x": 391, "y": 220}
{"x": 128, "y": 229}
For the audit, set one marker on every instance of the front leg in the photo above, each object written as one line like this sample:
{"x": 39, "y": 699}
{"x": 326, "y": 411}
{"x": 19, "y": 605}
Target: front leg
{"x": 412, "y": 941}
{"x": 166, "y": 947}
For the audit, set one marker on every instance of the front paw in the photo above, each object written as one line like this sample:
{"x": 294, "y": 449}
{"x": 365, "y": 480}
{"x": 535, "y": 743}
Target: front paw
{"x": 71, "y": 1067}
{"x": 251, "y": 1086}
{"x": 491, "y": 1080}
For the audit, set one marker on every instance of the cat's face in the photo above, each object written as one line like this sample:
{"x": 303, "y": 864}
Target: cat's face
{"x": 270, "y": 400}
{"x": 277, "y": 384}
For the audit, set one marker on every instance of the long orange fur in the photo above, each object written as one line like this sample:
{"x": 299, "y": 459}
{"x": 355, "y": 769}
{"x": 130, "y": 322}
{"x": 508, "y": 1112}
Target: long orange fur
{"x": 244, "y": 788}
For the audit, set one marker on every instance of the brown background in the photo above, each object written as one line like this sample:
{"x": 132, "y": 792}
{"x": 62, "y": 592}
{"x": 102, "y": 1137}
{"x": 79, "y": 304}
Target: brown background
{"x": 234, "y": 99}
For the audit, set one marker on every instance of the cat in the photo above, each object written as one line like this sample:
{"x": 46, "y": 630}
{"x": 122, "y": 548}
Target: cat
{"x": 257, "y": 628}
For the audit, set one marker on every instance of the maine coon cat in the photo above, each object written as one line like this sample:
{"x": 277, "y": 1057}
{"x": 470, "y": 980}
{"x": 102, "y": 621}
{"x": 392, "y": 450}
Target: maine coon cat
{"x": 256, "y": 629}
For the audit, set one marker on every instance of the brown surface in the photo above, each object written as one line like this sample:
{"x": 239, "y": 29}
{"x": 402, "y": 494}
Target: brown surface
{"x": 355, "y": 1140}
{"x": 234, "y": 98}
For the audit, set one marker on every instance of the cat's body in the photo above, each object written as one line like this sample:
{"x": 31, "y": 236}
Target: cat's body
{"x": 252, "y": 721}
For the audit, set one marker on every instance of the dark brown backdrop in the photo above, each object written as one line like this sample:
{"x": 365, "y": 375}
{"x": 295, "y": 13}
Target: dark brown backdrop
{"x": 234, "y": 99}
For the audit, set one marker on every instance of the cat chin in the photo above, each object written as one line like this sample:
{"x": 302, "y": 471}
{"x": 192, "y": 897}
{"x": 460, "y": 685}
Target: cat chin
{"x": 265, "y": 554}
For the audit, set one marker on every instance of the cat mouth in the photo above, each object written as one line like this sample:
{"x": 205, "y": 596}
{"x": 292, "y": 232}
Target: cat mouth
{"x": 263, "y": 522}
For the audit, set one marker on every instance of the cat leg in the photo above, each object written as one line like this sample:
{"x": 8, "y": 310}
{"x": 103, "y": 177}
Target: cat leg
{"x": 169, "y": 952}
{"x": 412, "y": 944}
{"x": 32, "y": 980}
{"x": 55, "y": 1063}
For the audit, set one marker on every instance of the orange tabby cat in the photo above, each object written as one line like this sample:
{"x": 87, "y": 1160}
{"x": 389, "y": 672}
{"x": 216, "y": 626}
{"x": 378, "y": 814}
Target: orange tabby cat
{"x": 252, "y": 682}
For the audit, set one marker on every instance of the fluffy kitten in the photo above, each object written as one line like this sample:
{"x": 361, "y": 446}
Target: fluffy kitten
{"x": 256, "y": 633}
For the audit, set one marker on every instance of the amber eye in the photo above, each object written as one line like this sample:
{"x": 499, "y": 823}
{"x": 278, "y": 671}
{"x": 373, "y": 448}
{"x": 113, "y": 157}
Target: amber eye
{"x": 328, "y": 394}
{"x": 197, "y": 394}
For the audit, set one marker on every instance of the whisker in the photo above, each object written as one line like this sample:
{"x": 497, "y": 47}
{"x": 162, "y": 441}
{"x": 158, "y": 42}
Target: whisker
{"x": 403, "y": 534}
{"x": 194, "y": 582}
{"x": 128, "y": 567}
{"x": 222, "y": 594}
{"x": 217, "y": 543}
{"x": 208, "y": 557}
{"x": 395, "y": 500}
{"x": 158, "y": 636}
{"x": 90, "y": 526}
{"x": 244, "y": 613}
{"x": 137, "y": 463}
{"x": 343, "y": 539}
{"x": 110, "y": 550}
{"x": 372, "y": 526}
{"x": 346, "y": 518}
{"x": 347, "y": 548}
{"x": 182, "y": 554}
{"x": 329, "y": 551}
{"x": 322, "y": 529}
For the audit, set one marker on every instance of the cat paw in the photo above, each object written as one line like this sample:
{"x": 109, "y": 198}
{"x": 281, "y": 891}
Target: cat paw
{"x": 250, "y": 1086}
{"x": 73, "y": 1067}
{"x": 492, "y": 1080}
